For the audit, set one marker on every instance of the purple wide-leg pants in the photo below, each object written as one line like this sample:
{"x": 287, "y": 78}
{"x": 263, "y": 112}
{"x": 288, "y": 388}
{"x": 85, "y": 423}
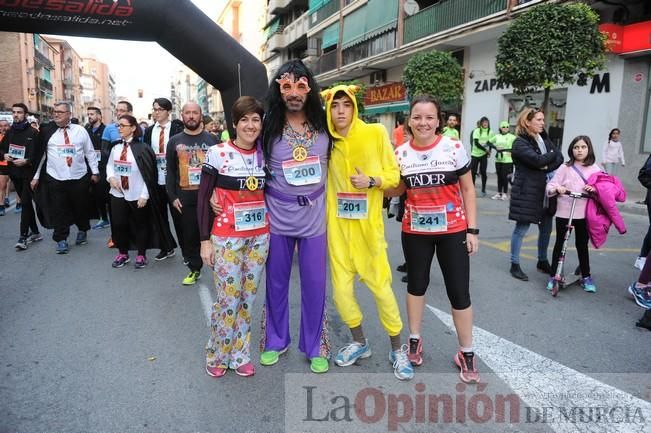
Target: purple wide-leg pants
{"x": 312, "y": 267}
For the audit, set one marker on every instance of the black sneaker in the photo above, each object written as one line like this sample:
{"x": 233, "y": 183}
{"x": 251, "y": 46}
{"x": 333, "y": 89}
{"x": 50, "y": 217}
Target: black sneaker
{"x": 404, "y": 279}
{"x": 21, "y": 245}
{"x": 402, "y": 268}
{"x": 164, "y": 254}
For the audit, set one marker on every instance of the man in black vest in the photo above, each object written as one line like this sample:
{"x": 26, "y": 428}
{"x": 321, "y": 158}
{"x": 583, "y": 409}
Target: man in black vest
{"x": 19, "y": 148}
{"x": 95, "y": 129}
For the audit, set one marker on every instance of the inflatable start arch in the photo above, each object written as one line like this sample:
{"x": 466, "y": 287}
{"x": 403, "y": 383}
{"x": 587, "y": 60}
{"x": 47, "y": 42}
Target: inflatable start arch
{"x": 177, "y": 25}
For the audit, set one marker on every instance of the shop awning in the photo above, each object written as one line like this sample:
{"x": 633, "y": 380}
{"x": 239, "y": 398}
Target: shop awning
{"x": 386, "y": 108}
{"x": 354, "y": 28}
{"x": 377, "y": 17}
{"x": 315, "y": 5}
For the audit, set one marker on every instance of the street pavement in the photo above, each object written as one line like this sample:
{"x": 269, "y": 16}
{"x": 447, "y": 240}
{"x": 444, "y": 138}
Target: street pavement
{"x": 88, "y": 348}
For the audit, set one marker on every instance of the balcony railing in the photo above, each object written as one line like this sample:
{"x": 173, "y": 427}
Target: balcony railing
{"x": 42, "y": 59}
{"x": 44, "y": 84}
{"x": 276, "y": 42}
{"x": 448, "y": 14}
{"x": 326, "y": 11}
{"x": 296, "y": 29}
{"x": 327, "y": 62}
{"x": 277, "y": 6}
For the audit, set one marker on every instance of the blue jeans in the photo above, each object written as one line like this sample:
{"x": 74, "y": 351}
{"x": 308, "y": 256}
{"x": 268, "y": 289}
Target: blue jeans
{"x": 521, "y": 228}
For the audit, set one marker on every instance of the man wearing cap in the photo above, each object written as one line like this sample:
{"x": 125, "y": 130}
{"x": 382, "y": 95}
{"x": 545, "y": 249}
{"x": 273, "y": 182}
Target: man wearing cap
{"x": 502, "y": 143}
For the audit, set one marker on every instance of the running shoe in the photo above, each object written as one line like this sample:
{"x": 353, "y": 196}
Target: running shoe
{"x": 34, "y": 237}
{"x": 192, "y": 278}
{"x": 497, "y": 196}
{"x": 216, "y": 371}
{"x": 467, "y": 370}
{"x": 270, "y": 357}
{"x": 402, "y": 368}
{"x": 245, "y": 370}
{"x": 2, "y": 211}
{"x": 350, "y": 353}
{"x": 141, "y": 262}
{"x": 550, "y": 283}
{"x": 416, "y": 351}
{"x": 120, "y": 260}
{"x": 588, "y": 285}
{"x": 101, "y": 224}
{"x": 402, "y": 268}
{"x": 62, "y": 247}
{"x": 18, "y": 208}
{"x": 82, "y": 238}
{"x": 7, "y": 203}
{"x": 505, "y": 197}
{"x": 21, "y": 245}
{"x": 164, "y": 254}
{"x": 641, "y": 295}
{"x": 319, "y": 364}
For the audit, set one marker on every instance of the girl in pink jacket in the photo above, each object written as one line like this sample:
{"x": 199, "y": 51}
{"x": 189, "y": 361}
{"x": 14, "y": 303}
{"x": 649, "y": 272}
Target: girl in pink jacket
{"x": 573, "y": 176}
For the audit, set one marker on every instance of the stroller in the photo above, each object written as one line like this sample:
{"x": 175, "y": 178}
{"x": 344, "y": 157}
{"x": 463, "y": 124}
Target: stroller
{"x": 559, "y": 281}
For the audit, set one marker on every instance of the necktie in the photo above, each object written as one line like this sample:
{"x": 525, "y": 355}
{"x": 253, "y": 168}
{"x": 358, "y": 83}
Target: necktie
{"x": 124, "y": 180}
{"x": 66, "y": 139}
{"x": 161, "y": 140}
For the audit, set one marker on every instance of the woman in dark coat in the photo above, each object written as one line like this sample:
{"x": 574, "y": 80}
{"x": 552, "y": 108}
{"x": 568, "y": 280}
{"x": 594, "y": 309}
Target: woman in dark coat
{"x": 534, "y": 158}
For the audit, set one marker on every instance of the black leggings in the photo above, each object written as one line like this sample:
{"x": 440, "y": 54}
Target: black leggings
{"x": 580, "y": 241}
{"x": 453, "y": 259}
{"x": 480, "y": 162}
{"x": 27, "y": 216}
{"x": 503, "y": 169}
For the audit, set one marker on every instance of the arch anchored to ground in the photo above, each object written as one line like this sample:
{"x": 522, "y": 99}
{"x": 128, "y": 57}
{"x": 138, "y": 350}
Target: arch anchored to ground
{"x": 177, "y": 25}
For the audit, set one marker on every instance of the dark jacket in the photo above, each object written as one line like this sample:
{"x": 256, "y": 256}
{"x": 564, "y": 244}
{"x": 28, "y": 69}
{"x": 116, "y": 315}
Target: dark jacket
{"x": 176, "y": 126}
{"x": 27, "y": 137}
{"x": 530, "y": 178}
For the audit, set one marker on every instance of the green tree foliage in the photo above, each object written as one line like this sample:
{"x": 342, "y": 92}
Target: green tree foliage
{"x": 436, "y": 73}
{"x": 549, "y": 46}
{"x": 359, "y": 95}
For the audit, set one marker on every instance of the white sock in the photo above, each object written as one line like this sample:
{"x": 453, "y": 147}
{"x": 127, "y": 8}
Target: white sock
{"x": 465, "y": 349}
{"x": 414, "y": 336}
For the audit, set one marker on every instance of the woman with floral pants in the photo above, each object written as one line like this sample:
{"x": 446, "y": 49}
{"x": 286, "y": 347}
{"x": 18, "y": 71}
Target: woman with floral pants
{"x": 235, "y": 239}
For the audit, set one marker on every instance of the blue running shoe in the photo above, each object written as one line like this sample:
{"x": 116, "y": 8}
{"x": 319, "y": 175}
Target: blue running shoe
{"x": 7, "y": 203}
{"x": 588, "y": 285}
{"x": 101, "y": 224}
{"x": 62, "y": 247}
{"x": 18, "y": 208}
{"x": 402, "y": 368}
{"x": 641, "y": 295}
{"x": 82, "y": 238}
{"x": 2, "y": 211}
{"x": 350, "y": 353}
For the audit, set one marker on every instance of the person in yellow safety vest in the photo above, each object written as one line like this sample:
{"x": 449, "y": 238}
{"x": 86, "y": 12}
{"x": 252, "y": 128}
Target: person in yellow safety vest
{"x": 450, "y": 129}
{"x": 502, "y": 143}
{"x": 480, "y": 152}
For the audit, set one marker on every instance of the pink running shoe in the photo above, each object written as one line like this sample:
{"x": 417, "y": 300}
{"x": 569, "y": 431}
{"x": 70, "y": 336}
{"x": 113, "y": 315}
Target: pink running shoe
{"x": 466, "y": 362}
{"x": 216, "y": 371}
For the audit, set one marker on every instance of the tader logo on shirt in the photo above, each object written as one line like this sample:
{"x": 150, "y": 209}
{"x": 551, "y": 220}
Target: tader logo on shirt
{"x": 117, "y": 8}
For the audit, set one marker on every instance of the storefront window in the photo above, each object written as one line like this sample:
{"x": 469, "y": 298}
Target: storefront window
{"x": 554, "y": 118}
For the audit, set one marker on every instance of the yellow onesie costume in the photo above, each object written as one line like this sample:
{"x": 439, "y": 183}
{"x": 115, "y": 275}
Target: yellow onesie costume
{"x": 356, "y": 245}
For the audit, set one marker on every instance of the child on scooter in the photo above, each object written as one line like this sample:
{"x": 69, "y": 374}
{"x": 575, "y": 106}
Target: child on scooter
{"x": 573, "y": 176}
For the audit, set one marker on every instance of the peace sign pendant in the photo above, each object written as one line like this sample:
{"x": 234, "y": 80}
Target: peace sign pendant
{"x": 251, "y": 183}
{"x": 299, "y": 153}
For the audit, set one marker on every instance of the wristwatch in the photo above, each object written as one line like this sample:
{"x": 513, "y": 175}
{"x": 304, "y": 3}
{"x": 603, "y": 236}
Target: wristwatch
{"x": 472, "y": 231}
{"x": 371, "y": 182}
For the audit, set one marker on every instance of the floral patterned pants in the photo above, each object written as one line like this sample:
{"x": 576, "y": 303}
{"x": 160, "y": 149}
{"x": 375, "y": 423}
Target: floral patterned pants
{"x": 238, "y": 267}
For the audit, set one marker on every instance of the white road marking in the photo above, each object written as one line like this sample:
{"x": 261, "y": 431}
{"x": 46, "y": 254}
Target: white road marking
{"x": 539, "y": 381}
{"x": 206, "y": 301}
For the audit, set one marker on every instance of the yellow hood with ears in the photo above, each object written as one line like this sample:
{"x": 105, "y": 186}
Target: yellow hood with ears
{"x": 329, "y": 94}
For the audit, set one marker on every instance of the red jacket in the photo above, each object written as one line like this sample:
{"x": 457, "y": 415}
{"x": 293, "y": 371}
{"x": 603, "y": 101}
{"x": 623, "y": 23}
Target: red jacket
{"x": 602, "y": 211}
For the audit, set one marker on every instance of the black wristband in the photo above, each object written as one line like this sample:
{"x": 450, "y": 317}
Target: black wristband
{"x": 472, "y": 231}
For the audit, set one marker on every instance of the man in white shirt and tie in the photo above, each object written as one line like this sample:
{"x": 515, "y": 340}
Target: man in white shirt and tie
{"x": 157, "y": 137}
{"x": 66, "y": 149}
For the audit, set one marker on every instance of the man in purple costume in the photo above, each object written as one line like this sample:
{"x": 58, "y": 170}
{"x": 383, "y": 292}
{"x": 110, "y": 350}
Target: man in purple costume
{"x": 296, "y": 143}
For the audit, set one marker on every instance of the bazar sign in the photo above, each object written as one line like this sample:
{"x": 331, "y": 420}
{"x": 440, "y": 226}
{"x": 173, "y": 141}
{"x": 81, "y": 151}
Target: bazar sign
{"x": 394, "y": 92}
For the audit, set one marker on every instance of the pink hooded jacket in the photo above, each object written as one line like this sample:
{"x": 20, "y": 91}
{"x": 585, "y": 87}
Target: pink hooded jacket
{"x": 602, "y": 211}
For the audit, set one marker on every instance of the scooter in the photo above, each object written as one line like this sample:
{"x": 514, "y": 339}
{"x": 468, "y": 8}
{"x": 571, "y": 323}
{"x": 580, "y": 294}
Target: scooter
{"x": 559, "y": 281}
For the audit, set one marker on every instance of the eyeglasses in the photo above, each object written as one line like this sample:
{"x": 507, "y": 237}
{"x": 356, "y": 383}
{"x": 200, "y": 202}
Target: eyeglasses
{"x": 60, "y": 112}
{"x": 120, "y": 125}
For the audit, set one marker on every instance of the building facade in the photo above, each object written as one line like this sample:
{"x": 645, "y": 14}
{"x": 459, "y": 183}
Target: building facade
{"x": 98, "y": 88}
{"x": 372, "y": 40}
{"x": 69, "y": 64}
{"x": 27, "y": 68}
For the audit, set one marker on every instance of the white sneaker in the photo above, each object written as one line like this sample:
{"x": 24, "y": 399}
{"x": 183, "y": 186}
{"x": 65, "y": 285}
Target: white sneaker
{"x": 497, "y": 196}
{"x": 640, "y": 262}
{"x": 505, "y": 197}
